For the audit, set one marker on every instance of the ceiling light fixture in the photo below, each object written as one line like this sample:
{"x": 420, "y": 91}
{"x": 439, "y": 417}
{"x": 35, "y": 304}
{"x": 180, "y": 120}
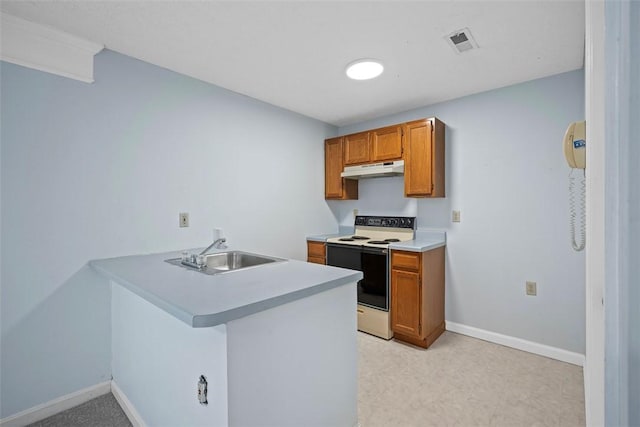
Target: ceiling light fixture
{"x": 364, "y": 69}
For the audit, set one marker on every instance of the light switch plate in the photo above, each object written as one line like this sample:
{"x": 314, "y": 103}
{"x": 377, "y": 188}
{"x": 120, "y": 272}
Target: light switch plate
{"x": 455, "y": 216}
{"x": 184, "y": 219}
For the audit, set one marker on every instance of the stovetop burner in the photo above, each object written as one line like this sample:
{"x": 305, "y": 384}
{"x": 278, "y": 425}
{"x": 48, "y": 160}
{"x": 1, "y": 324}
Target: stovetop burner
{"x": 352, "y": 238}
{"x": 383, "y": 242}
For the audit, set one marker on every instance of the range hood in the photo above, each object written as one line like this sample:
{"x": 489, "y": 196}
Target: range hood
{"x": 374, "y": 170}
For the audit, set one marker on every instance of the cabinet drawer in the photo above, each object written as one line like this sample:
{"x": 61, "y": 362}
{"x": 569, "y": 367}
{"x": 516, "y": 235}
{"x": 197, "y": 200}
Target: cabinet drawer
{"x": 316, "y": 260}
{"x": 315, "y": 249}
{"x": 406, "y": 260}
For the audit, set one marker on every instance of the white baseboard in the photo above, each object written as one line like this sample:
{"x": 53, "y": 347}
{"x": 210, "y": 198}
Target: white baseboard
{"x": 55, "y": 406}
{"x": 517, "y": 343}
{"x": 128, "y": 408}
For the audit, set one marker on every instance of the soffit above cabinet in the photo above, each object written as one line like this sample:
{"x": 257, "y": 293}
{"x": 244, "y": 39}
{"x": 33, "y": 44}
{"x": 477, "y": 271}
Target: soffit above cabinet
{"x": 46, "y": 49}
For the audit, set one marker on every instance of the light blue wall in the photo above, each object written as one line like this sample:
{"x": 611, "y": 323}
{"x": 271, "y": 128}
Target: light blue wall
{"x": 506, "y": 173}
{"x": 100, "y": 170}
{"x": 622, "y": 213}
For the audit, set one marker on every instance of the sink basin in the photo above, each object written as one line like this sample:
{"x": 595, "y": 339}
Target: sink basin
{"x": 236, "y": 260}
{"x": 222, "y": 262}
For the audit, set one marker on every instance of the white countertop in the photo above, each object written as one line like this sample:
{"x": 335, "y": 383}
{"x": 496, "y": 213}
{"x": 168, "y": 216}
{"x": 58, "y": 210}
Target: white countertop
{"x": 202, "y": 300}
{"x": 417, "y": 245}
{"x": 424, "y": 241}
{"x": 323, "y": 237}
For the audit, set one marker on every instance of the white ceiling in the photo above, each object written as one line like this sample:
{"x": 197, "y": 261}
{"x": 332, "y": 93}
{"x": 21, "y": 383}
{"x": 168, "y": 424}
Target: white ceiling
{"x": 293, "y": 54}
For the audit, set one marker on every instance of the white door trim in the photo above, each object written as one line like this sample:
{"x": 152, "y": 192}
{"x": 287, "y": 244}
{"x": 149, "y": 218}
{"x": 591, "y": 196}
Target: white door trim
{"x": 595, "y": 227}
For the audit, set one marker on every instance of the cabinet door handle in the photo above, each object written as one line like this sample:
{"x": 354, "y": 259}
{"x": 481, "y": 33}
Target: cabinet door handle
{"x": 359, "y": 310}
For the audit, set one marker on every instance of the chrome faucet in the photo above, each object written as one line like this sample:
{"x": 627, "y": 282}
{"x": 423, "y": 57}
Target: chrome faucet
{"x": 198, "y": 261}
{"x": 218, "y": 244}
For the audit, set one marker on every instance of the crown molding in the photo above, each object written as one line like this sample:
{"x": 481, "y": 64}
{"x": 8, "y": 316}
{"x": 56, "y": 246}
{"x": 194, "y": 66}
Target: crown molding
{"x": 46, "y": 49}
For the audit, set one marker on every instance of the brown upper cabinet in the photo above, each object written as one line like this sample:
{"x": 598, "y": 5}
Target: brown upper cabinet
{"x": 386, "y": 143}
{"x": 336, "y": 187}
{"x": 424, "y": 158}
{"x": 357, "y": 148}
{"x": 373, "y": 146}
{"x": 419, "y": 143}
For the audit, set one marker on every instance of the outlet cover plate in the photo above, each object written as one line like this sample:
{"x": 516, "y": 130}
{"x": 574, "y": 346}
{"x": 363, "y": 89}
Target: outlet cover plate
{"x": 532, "y": 288}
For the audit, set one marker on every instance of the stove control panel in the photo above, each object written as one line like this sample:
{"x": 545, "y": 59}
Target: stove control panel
{"x": 387, "y": 221}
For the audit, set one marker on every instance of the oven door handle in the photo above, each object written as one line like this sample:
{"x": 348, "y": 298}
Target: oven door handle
{"x": 376, "y": 251}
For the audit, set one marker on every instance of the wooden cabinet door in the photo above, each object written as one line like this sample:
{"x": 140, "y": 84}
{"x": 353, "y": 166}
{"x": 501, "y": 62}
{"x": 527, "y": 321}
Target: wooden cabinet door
{"x": 406, "y": 307}
{"x": 316, "y": 252}
{"x": 336, "y": 187}
{"x": 418, "y": 178}
{"x": 356, "y": 148}
{"x": 333, "y": 168}
{"x": 386, "y": 143}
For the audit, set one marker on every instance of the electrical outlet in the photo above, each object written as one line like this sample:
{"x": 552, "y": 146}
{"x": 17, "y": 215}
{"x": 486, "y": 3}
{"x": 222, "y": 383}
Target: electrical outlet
{"x": 532, "y": 288}
{"x": 184, "y": 219}
{"x": 355, "y": 213}
{"x": 455, "y": 216}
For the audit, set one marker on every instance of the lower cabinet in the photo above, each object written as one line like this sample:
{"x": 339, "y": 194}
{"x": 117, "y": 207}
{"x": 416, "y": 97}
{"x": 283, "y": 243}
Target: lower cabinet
{"x": 417, "y": 296}
{"x": 405, "y": 292}
{"x": 316, "y": 252}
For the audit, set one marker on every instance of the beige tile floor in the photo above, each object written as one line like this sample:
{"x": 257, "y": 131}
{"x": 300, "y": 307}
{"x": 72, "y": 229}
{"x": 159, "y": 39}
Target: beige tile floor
{"x": 463, "y": 381}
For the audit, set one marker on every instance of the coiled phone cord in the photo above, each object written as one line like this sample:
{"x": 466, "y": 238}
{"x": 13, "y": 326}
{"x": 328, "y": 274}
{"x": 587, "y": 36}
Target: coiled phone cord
{"x": 572, "y": 211}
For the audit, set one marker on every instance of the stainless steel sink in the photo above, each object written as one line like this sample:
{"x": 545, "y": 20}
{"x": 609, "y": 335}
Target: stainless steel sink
{"x": 235, "y": 260}
{"x": 223, "y": 262}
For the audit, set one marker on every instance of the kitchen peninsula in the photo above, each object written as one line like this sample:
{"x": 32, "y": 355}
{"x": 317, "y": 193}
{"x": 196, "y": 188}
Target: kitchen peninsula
{"x": 276, "y": 343}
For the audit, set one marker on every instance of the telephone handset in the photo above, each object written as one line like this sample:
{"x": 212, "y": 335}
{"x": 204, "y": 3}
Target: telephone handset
{"x": 575, "y": 148}
{"x": 575, "y": 145}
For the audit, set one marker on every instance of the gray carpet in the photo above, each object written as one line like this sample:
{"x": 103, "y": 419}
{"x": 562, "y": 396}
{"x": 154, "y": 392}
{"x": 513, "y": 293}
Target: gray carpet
{"x": 103, "y": 411}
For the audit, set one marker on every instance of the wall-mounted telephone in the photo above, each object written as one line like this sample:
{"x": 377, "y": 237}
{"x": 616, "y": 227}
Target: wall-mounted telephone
{"x": 575, "y": 148}
{"x": 575, "y": 145}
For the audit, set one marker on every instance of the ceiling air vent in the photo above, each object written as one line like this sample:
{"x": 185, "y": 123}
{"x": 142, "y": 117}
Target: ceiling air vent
{"x": 461, "y": 40}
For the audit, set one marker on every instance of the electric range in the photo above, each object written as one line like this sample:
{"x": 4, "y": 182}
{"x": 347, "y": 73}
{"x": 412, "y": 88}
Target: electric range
{"x": 366, "y": 250}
